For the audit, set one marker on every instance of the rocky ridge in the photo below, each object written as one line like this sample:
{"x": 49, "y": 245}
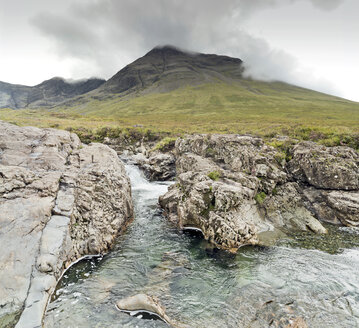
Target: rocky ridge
{"x": 59, "y": 200}
{"x": 48, "y": 93}
{"x": 239, "y": 190}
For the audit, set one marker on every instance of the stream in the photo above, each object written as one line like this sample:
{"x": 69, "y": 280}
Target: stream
{"x": 308, "y": 277}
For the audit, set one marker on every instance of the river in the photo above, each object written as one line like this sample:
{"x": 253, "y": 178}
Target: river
{"x": 307, "y": 277}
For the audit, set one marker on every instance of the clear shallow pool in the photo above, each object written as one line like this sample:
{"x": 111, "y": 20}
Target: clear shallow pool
{"x": 258, "y": 287}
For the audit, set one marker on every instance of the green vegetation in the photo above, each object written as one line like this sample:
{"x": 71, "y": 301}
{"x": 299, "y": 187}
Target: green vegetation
{"x": 214, "y": 175}
{"x": 285, "y": 149}
{"x": 210, "y": 152}
{"x": 245, "y": 107}
{"x": 260, "y": 197}
{"x": 166, "y": 144}
{"x": 131, "y": 134}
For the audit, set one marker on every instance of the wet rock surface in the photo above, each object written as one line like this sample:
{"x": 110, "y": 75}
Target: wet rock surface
{"x": 146, "y": 304}
{"x": 59, "y": 200}
{"x": 239, "y": 190}
{"x": 143, "y": 302}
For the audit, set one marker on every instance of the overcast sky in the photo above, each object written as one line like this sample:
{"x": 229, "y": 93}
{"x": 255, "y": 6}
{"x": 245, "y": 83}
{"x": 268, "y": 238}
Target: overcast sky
{"x": 311, "y": 43}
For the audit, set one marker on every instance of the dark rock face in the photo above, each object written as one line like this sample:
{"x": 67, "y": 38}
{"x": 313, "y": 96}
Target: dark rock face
{"x": 57, "y": 89}
{"x": 47, "y": 93}
{"x": 158, "y": 166}
{"x": 167, "y": 68}
{"x": 59, "y": 200}
{"x": 237, "y": 189}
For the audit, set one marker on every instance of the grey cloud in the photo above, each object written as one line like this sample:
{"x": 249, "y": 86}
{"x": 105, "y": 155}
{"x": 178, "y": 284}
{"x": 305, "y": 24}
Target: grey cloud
{"x": 70, "y": 36}
{"x": 111, "y": 33}
{"x": 327, "y": 4}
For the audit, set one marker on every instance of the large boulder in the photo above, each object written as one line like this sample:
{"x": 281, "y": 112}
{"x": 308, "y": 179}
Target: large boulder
{"x": 236, "y": 153}
{"x": 59, "y": 200}
{"x": 235, "y": 189}
{"x": 335, "y": 168}
{"x": 330, "y": 180}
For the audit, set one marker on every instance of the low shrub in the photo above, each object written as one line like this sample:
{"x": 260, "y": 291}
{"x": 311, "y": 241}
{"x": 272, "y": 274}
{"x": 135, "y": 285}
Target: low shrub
{"x": 166, "y": 144}
{"x": 260, "y": 197}
{"x": 214, "y": 175}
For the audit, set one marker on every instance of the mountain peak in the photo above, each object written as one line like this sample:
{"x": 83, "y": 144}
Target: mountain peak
{"x": 165, "y": 68}
{"x": 167, "y": 49}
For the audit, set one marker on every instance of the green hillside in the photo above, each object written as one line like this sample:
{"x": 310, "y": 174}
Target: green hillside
{"x": 246, "y": 105}
{"x": 259, "y": 108}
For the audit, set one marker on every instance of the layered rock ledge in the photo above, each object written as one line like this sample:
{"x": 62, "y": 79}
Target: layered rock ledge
{"x": 59, "y": 200}
{"x": 238, "y": 190}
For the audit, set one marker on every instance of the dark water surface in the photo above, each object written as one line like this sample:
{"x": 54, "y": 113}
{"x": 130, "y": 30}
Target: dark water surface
{"x": 309, "y": 277}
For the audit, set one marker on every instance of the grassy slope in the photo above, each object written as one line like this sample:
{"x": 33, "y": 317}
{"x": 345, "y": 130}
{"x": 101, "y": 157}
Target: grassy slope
{"x": 242, "y": 107}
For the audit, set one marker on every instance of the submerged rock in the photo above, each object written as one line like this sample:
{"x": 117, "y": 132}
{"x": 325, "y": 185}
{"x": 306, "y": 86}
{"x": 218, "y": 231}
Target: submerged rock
{"x": 142, "y": 303}
{"x": 237, "y": 189}
{"x": 59, "y": 200}
{"x": 158, "y": 286}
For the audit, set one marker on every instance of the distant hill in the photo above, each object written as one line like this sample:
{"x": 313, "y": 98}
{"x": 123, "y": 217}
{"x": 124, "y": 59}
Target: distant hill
{"x": 14, "y": 95}
{"x": 167, "y": 68}
{"x": 47, "y": 93}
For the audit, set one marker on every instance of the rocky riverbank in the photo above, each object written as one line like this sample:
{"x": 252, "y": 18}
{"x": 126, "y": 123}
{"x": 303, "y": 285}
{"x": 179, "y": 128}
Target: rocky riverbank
{"x": 59, "y": 200}
{"x": 238, "y": 190}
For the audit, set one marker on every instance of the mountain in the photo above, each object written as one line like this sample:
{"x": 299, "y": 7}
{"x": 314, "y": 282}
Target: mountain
{"x": 14, "y": 95}
{"x": 173, "y": 90}
{"x": 162, "y": 70}
{"x": 167, "y": 68}
{"x": 48, "y": 93}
